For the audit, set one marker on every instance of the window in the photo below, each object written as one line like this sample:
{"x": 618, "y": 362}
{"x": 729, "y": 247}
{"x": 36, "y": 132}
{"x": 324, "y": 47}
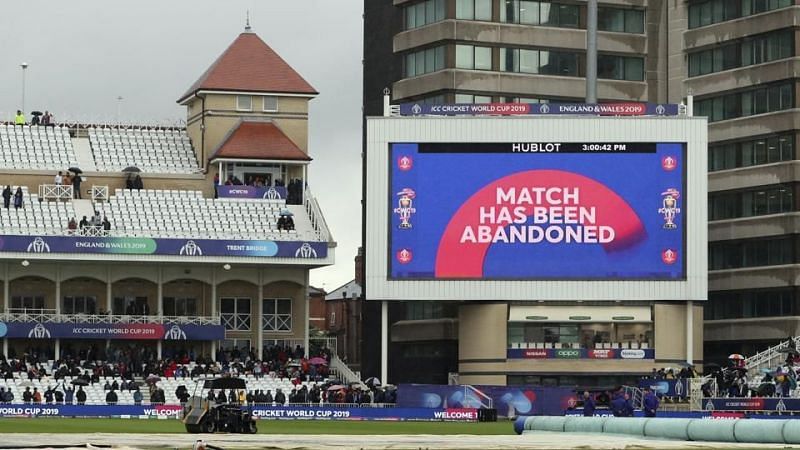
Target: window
{"x": 79, "y": 305}
{"x": 753, "y": 50}
{"x": 474, "y": 9}
{"x": 469, "y": 98}
{"x": 430, "y": 310}
{"x": 179, "y": 306}
{"x": 472, "y": 57}
{"x": 620, "y": 20}
{"x": 715, "y": 11}
{"x": 744, "y": 304}
{"x": 235, "y": 313}
{"x": 244, "y": 103}
{"x": 542, "y": 62}
{"x": 270, "y": 103}
{"x": 35, "y": 302}
{"x": 131, "y": 306}
{"x": 333, "y": 319}
{"x": 766, "y": 150}
{"x": 614, "y": 67}
{"x": 759, "y": 100}
{"x": 277, "y": 314}
{"x": 751, "y": 202}
{"x": 424, "y": 13}
{"x": 424, "y": 61}
{"x": 550, "y": 14}
{"x": 751, "y": 253}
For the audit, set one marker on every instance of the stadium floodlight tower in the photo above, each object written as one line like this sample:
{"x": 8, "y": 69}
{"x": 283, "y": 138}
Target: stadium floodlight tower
{"x": 24, "y": 66}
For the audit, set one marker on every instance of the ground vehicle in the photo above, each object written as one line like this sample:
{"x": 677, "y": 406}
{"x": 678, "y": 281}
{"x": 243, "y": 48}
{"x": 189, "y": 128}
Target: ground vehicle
{"x": 207, "y": 416}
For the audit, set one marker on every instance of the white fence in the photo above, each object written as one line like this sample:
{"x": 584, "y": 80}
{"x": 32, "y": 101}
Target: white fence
{"x": 55, "y": 192}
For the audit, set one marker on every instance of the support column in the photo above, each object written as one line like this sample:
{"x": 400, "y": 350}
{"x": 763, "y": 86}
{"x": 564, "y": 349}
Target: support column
{"x": 306, "y": 315}
{"x": 6, "y": 290}
{"x": 160, "y": 293}
{"x": 213, "y": 309}
{"x": 303, "y": 190}
{"x": 57, "y": 354}
{"x": 221, "y": 181}
{"x": 58, "y": 296}
{"x": 384, "y": 342}
{"x": 108, "y": 290}
{"x": 690, "y": 332}
{"x": 260, "y": 319}
{"x": 5, "y": 347}
{"x": 158, "y": 349}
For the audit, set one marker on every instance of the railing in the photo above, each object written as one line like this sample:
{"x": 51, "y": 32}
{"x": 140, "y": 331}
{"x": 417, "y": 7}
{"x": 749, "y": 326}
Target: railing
{"x": 696, "y": 391}
{"x": 343, "y": 372}
{"x": 55, "y": 192}
{"x": 314, "y": 342}
{"x": 100, "y": 193}
{"x": 484, "y": 400}
{"x": 316, "y": 217}
{"x": 91, "y": 230}
{"x": 635, "y": 394}
{"x": 767, "y": 358}
{"x": 49, "y": 316}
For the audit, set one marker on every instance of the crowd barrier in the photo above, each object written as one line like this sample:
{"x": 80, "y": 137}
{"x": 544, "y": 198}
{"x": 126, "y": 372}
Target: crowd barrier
{"x": 509, "y": 401}
{"x": 779, "y": 431}
{"x": 260, "y": 412}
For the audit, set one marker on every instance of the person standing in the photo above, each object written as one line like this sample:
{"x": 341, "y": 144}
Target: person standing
{"x": 19, "y": 119}
{"x": 650, "y": 403}
{"x": 18, "y": 198}
{"x": 76, "y": 186}
{"x": 7, "y": 196}
{"x": 588, "y": 405}
{"x": 58, "y": 179}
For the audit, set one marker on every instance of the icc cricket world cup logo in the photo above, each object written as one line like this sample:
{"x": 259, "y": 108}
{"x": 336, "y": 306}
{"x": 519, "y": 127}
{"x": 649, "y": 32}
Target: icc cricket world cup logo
{"x": 405, "y": 207}
{"x": 669, "y": 207}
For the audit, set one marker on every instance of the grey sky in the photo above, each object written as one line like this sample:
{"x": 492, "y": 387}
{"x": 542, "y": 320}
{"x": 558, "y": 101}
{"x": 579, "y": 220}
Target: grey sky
{"x": 83, "y": 54}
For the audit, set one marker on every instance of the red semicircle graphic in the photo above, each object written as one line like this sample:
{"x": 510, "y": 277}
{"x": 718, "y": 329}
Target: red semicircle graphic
{"x": 457, "y": 260}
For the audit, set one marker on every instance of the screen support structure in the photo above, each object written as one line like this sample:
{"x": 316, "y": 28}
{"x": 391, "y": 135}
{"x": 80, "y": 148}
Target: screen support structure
{"x": 385, "y": 341}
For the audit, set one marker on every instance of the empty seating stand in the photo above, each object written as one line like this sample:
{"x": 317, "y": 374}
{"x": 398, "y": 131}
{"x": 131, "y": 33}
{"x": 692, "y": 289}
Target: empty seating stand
{"x": 35, "y": 217}
{"x": 36, "y": 148}
{"x": 186, "y": 214}
{"x": 151, "y": 150}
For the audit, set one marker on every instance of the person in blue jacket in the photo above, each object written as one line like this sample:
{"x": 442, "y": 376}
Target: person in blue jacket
{"x": 650, "y": 403}
{"x": 588, "y": 405}
{"x": 628, "y": 412}
{"x": 619, "y": 405}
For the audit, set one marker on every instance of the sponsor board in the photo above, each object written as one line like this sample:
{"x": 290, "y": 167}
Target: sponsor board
{"x": 266, "y": 193}
{"x": 582, "y": 353}
{"x": 133, "y": 331}
{"x": 506, "y": 109}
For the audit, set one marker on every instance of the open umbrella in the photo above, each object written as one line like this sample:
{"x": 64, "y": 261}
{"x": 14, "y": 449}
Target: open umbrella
{"x": 132, "y": 169}
{"x": 79, "y": 382}
{"x": 735, "y": 356}
{"x": 317, "y": 361}
{"x": 372, "y": 381}
{"x": 36, "y": 113}
{"x": 336, "y": 387}
{"x": 76, "y": 170}
{"x": 153, "y": 378}
{"x": 286, "y": 212}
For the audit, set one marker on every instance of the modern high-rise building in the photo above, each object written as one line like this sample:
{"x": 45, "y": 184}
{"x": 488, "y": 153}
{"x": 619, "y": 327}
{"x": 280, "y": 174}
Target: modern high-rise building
{"x": 736, "y": 57}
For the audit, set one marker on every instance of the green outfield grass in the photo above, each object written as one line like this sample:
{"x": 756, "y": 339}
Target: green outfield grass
{"x": 152, "y": 426}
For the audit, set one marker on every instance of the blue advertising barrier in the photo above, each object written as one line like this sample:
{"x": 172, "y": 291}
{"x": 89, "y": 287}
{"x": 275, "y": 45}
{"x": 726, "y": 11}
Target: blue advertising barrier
{"x": 598, "y": 109}
{"x": 159, "y": 246}
{"x": 143, "y": 331}
{"x": 667, "y": 388}
{"x": 716, "y": 415}
{"x": 778, "y": 404}
{"x": 580, "y": 353}
{"x": 537, "y": 211}
{"x": 266, "y": 193}
{"x": 509, "y": 401}
{"x": 259, "y": 412}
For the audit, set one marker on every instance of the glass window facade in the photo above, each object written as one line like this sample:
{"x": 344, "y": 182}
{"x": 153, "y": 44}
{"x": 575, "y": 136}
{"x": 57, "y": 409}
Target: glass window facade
{"x": 765, "y": 150}
{"x": 702, "y": 13}
{"x": 752, "y": 303}
{"x": 471, "y": 98}
{"x": 613, "y": 67}
{"x": 277, "y": 314}
{"x": 430, "y": 310}
{"x": 474, "y": 10}
{"x": 758, "y": 100}
{"x": 620, "y": 20}
{"x": 424, "y": 61}
{"x": 235, "y": 313}
{"x": 754, "y": 50}
{"x": 180, "y": 306}
{"x": 752, "y": 202}
{"x": 244, "y": 103}
{"x": 79, "y": 305}
{"x": 751, "y": 252}
{"x": 549, "y": 14}
{"x": 473, "y": 57}
{"x": 574, "y": 335}
{"x": 270, "y": 103}
{"x": 424, "y": 13}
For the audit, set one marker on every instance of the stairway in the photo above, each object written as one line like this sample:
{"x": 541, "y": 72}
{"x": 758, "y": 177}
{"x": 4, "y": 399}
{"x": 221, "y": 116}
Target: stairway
{"x": 768, "y": 358}
{"x": 83, "y": 208}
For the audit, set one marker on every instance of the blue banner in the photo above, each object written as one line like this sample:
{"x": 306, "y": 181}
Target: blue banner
{"x": 259, "y": 412}
{"x": 505, "y": 109}
{"x": 667, "y": 388}
{"x": 778, "y": 404}
{"x": 266, "y": 193}
{"x": 537, "y": 210}
{"x": 158, "y": 246}
{"x": 580, "y": 353}
{"x": 510, "y": 401}
{"x": 143, "y": 331}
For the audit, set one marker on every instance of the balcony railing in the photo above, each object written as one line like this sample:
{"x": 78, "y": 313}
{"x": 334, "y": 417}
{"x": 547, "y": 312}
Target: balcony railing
{"x": 55, "y": 192}
{"x": 50, "y": 316}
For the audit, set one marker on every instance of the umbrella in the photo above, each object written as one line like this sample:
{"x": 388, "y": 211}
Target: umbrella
{"x": 286, "y": 212}
{"x": 684, "y": 364}
{"x": 80, "y": 382}
{"x": 76, "y": 170}
{"x": 153, "y": 379}
{"x": 317, "y": 361}
{"x": 766, "y": 370}
{"x": 36, "y": 113}
{"x": 132, "y": 169}
{"x": 735, "y": 356}
{"x": 372, "y": 381}
{"x": 336, "y": 387}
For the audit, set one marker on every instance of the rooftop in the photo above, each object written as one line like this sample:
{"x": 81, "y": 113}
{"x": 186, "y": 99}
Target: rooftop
{"x": 258, "y": 139}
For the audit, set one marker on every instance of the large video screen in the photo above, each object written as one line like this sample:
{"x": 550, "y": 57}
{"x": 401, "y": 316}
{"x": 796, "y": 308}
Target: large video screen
{"x": 537, "y": 211}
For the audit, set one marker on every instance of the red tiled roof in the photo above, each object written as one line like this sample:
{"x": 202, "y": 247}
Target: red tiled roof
{"x": 249, "y": 64}
{"x": 259, "y": 140}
